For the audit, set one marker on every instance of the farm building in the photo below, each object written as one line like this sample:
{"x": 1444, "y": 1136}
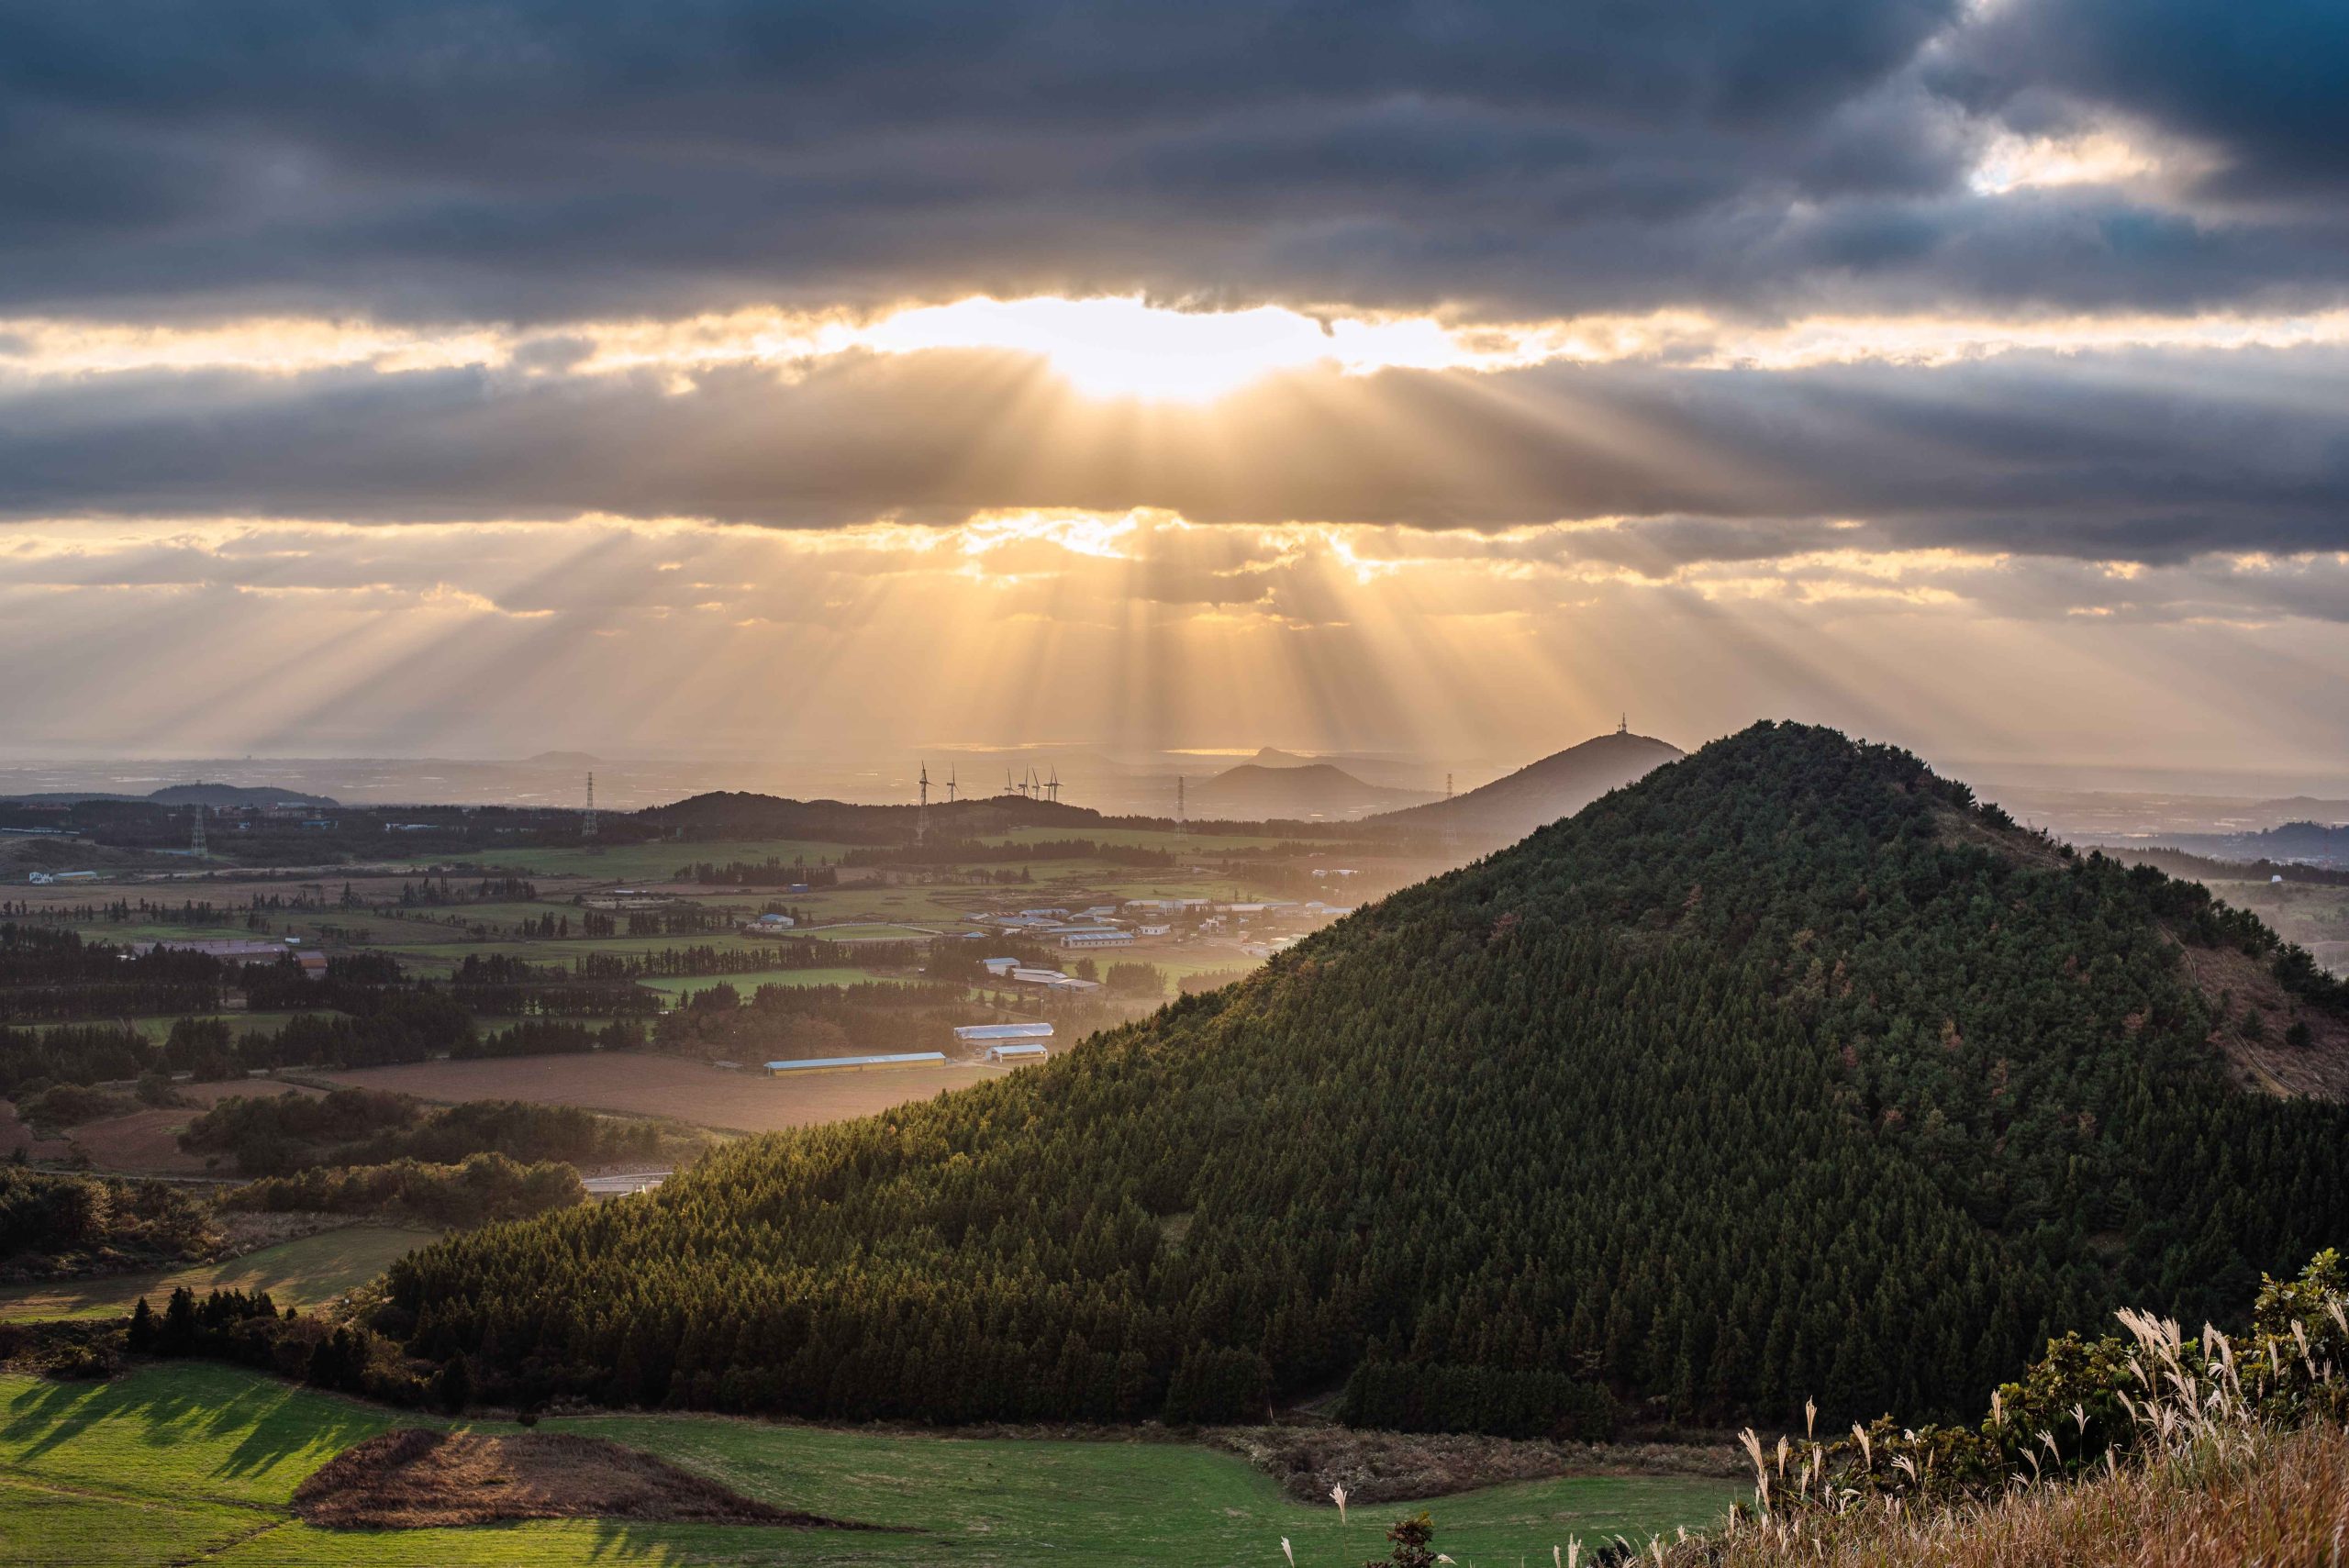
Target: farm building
{"x": 1096, "y": 937}
{"x": 996, "y": 1034}
{"x": 1000, "y": 967}
{"x": 1051, "y": 980}
{"x": 1006, "y": 1055}
{"x": 231, "y": 949}
{"x": 858, "y": 1063}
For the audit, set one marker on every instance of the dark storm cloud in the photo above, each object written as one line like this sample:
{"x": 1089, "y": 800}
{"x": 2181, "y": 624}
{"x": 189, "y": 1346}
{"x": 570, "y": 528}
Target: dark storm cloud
{"x": 2151, "y": 456}
{"x": 2259, "y": 80}
{"x": 539, "y": 159}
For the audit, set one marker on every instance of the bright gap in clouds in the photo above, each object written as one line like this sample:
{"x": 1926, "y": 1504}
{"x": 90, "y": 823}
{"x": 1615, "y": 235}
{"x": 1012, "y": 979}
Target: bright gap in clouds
{"x": 1123, "y": 346}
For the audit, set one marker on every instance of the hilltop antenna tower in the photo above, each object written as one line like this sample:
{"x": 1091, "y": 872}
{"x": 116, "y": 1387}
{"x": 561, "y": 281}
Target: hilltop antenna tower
{"x": 587, "y": 824}
{"x": 196, "y": 839}
{"x": 921, "y": 814}
{"x": 1623, "y": 725}
{"x": 1448, "y": 814}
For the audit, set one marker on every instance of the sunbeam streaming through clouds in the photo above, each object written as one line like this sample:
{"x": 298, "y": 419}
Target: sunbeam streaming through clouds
{"x": 1176, "y": 381}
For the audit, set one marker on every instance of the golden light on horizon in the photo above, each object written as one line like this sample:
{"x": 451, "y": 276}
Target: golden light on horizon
{"x": 1125, "y": 348}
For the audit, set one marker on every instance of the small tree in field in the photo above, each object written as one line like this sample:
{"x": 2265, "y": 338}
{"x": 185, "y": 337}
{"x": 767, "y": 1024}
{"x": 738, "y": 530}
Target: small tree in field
{"x": 1410, "y": 1538}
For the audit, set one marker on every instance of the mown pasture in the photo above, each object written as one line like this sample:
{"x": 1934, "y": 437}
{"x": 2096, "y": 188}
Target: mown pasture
{"x": 182, "y": 1462}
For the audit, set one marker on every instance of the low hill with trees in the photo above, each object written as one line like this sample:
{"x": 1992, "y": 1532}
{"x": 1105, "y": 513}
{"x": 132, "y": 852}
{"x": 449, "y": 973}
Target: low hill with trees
{"x": 1789, "y": 1071}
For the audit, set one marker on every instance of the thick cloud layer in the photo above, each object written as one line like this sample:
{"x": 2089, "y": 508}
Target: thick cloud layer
{"x": 2148, "y": 457}
{"x": 536, "y": 159}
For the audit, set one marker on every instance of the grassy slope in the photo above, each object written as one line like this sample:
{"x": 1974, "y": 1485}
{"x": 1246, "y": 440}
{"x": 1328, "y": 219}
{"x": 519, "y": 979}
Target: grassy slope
{"x": 177, "y": 1459}
{"x": 303, "y": 1272}
{"x": 2279, "y": 1500}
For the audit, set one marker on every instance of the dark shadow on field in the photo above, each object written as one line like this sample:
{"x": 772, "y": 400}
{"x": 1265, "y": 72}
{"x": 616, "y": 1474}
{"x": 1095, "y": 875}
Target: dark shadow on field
{"x": 47, "y": 1418}
{"x": 617, "y": 1541}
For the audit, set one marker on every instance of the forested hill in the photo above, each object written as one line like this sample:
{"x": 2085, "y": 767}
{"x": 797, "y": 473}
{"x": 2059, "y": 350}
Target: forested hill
{"x": 1786, "y": 1072}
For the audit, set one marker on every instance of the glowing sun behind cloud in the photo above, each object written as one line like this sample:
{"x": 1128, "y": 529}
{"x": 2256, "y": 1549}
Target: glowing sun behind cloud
{"x": 1122, "y": 347}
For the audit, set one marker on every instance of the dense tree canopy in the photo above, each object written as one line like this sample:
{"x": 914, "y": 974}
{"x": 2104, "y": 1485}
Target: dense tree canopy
{"x": 1787, "y": 1071}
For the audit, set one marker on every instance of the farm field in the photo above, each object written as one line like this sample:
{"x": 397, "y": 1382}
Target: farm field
{"x": 147, "y": 1141}
{"x": 305, "y": 1273}
{"x": 159, "y": 1028}
{"x": 1158, "y": 839}
{"x": 688, "y": 986}
{"x": 885, "y": 932}
{"x": 655, "y": 862}
{"x": 693, "y": 1092}
{"x": 191, "y": 1458}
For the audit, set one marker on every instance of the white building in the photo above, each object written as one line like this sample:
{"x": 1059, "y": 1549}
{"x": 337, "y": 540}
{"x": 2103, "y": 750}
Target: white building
{"x": 1011, "y": 1055}
{"x": 1003, "y": 1034}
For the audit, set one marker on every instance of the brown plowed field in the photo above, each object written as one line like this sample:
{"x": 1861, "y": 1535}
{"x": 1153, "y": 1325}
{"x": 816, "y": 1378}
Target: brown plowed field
{"x": 16, "y": 1134}
{"x": 148, "y": 1142}
{"x": 669, "y": 1086}
{"x": 415, "y": 1479}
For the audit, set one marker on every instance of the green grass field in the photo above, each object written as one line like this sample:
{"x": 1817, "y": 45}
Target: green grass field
{"x": 1197, "y": 844}
{"x": 185, "y": 1463}
{"x": 303, "y": 1273}
{"x": 158, "y": 1028}
{"x": 746, "y": 984}
{"x": 655, "y": 862}
{"x": 874, "y": 932}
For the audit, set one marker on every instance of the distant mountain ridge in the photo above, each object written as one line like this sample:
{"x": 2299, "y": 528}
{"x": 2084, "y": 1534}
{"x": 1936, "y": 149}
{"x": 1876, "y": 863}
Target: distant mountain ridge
{"x": 2311, "y": 843}
{"x": 185, "y": 794}
{"x": 778, "y": 816}
{"x": 1298, "y": 791}
{"x": 1557, "y": 786}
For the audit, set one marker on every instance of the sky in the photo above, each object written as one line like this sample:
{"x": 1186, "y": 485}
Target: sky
{"x": 471, "y": 379}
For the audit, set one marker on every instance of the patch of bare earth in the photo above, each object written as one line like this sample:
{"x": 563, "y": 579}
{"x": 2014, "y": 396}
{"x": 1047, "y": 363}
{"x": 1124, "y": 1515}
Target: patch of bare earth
{"x": 630, "y": 1083}
{"x": 17, "y": 1135}
{"x": 2234, "y": 983}
{"x": 415, "y": 1479}
{"x": 148, "y": 1142}
{"x": 1383, "y": 1467}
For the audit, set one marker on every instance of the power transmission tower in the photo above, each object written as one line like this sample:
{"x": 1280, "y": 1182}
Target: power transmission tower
{"x": 195, "y": 840}
{"x": 1182, "y": 818}
{"x": 587, "y": 824}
